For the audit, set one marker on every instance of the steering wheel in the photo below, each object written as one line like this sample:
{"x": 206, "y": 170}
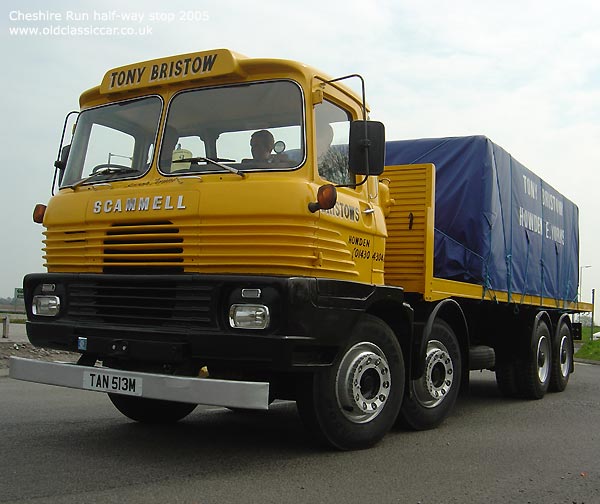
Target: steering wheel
{"x": 106, "y": 165}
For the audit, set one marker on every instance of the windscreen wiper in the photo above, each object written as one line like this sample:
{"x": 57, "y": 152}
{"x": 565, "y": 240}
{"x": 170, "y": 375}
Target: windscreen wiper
{"x": 212, "y": 161}
{"x": 107, "y": 170}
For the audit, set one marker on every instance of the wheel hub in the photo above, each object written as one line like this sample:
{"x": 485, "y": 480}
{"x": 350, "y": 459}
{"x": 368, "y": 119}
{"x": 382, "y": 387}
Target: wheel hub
{"x": 363, "y": 382}
{"x": 565, "y": 364}
{"x": 543, "y": 363}
{"x": 437, "y": 381}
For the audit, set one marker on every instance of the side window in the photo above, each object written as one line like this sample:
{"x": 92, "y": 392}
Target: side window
{"x": 332, "y": 130}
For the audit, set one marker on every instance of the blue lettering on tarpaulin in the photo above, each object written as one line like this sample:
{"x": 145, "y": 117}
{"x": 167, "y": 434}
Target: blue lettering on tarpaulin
{"x": 530, "y": 221}
{"x": 497, "y": 224}
{"x": 552, "y": 207}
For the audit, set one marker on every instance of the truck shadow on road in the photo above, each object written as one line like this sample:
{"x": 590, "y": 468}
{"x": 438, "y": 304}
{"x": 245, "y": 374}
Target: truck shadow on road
{"x": 219, "y": 434}
{"x": 219, "y": 429}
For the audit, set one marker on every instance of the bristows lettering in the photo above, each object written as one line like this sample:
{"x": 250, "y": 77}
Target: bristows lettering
{"x": 344, "y": 211}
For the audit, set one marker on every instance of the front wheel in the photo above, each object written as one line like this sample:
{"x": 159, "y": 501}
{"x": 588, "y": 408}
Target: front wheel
{"x": 353, "y": 403}
{"x": 144, "y": 410}
{"x": 431, "y": 398}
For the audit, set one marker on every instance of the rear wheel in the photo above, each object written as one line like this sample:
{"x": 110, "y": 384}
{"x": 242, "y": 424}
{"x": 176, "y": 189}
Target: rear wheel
{"x": 142, "y": 409}
{"x": 353, "y": 403}
{"x": 533, "y": 371}
{"x": 432, "y": 397}
{"x": 562, "y": 359}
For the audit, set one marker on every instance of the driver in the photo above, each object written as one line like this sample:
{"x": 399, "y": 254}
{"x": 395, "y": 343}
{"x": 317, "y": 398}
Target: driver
{"x": 261, "y": 145}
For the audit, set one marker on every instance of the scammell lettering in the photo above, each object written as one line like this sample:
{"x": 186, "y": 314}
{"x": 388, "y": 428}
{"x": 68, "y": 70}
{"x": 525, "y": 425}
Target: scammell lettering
{"x": 145, "y": 204}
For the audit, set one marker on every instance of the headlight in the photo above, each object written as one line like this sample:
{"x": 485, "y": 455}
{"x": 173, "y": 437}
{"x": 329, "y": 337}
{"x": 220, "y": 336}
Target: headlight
{"x": 46, "y": 306}
{"x": 249, "y": 316}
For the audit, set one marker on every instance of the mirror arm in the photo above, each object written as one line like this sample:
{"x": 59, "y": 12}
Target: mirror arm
{"x": 362, "y": 84}
{"x": 354, "y": 186}
{"x": 59, "y": 164}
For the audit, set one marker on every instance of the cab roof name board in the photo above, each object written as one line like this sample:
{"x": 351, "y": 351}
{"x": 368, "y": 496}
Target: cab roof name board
{"x": 172, "y": 70}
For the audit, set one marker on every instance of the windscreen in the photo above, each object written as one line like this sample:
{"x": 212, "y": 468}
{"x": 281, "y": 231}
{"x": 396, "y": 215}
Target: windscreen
{"x": 113, "y": 141}
{"x": 255, "y": 126}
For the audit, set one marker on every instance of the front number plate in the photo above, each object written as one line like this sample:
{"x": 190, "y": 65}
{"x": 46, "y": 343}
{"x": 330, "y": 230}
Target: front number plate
{"x": 112, "y": 382}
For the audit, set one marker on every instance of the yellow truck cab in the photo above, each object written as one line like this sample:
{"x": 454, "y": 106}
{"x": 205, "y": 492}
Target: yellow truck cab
{"x": 221, "y": 209}
{"x": 219, "y": 236}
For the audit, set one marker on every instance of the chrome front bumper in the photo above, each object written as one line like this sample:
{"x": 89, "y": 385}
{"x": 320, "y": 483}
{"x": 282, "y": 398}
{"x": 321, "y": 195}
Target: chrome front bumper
{"x": 228, "y": 393}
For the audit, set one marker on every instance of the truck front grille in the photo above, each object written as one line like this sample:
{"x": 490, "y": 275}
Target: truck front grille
{"x": 142, "y": 302}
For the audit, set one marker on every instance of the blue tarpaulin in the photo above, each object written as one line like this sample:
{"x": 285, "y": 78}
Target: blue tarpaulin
{"x": 497, "y": 223}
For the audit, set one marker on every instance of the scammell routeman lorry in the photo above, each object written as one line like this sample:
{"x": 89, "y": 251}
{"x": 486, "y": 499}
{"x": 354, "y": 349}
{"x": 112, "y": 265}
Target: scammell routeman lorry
{"x": 231, "y": 231}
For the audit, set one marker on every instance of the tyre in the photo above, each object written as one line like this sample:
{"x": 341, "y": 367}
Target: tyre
{"x": 562, "y": 359}
{"x": 142, "y": 409}
{"x": 354, "y": 403}
{"x": 533, "y": 370}
{"x": 430, "y": 399}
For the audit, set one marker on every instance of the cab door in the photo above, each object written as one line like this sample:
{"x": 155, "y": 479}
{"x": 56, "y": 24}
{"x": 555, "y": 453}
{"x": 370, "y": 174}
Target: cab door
{"x": 346, "y": 231}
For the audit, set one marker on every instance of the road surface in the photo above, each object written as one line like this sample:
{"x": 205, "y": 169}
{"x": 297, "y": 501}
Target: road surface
{"x": 67, "y": 446}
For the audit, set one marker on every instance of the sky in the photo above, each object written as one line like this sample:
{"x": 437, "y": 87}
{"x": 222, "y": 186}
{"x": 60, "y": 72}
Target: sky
{"x": 524, "y": 73}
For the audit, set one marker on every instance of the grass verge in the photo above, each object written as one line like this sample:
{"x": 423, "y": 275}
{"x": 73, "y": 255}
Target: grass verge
{"x": 590, "y": 350}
